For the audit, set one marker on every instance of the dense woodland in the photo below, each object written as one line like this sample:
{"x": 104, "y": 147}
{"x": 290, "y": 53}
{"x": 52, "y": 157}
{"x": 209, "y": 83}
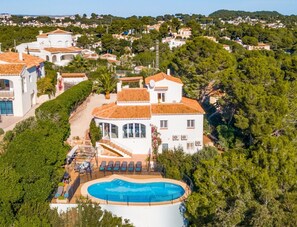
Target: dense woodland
{"x": 252, "y": 181}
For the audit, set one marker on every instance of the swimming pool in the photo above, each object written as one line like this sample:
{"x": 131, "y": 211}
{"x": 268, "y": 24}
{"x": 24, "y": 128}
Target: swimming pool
{"x": 120, "y": 190}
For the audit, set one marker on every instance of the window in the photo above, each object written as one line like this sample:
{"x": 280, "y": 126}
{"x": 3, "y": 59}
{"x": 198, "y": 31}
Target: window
{"x": 190, "y": 123}
{"x": 24, "y": 84}
{"x": 30, "y": 78}
{"x": 190, "y": 146}
{"x": 163, "y": 124}
{"x": 161, "y": 97}
{"x": 109, "y": 130}
{"x": 164, "y": 146}
{"x": 134, "y": 130}
{"x": 6, "y": 107}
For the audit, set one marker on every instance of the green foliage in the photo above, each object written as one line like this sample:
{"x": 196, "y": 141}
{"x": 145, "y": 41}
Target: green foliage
{"x": 31, "y": 165}
{"x": 105, "y": 82}
{"x": 1, "y": 131}
{"x": 95, "y": 133}
{"x": 198, "y": 63}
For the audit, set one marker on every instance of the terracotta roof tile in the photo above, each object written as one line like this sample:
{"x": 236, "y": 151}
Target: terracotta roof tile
{"x": 73, "y": 75}
{"x": 131, "y": 79}
{"x": 58, "y": 31}
{"x": 63, "y": 50}
{"x": 193, "y": 104}
{"x": 162, "y": 76}
{"x": 133, "y": 95}
{"x": 11, "y": 69}
{"x": 112, "y": 111}
{"x": 29, "y": 60}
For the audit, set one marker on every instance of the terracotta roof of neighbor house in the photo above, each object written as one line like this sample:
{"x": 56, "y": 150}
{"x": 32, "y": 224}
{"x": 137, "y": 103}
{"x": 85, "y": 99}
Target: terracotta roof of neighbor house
{"x": 131, "y": 79}
{"x": 73, "y": 75}
{"x": 63, "y": 49}
{"x": 11, "y": 69}
{"x": 113, "y": 111}
{"x": 133, "y": 95}
{"x": 12, "y": 57}
{"x": 59, "y": 31}
{"x": 43, "y": 35}
{"x": 162, "y": 76}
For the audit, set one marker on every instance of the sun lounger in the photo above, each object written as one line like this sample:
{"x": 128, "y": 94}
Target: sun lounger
{"x": 109, "y": 166}
{"x": 59, "y": 191}
{"x": 116, "y": 166}
{"x": 102, "y": 166}
{"x": 66, "y": 194}
{"x": 124, "y": 166}
{"x": 138, "y": 167}
{"x": 131, "y": 167}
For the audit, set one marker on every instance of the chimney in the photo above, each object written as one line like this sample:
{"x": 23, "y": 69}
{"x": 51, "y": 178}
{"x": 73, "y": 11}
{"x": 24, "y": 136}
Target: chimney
{"x": 40, "y": 32}
{"x": 119, "y": 86}
{"x": 168, "y": 71}
{"x": 21, "y": 56}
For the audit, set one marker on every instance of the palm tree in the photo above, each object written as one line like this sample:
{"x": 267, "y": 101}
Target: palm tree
{"x": 79, "y": 64}
{"x": 105, "y": 83}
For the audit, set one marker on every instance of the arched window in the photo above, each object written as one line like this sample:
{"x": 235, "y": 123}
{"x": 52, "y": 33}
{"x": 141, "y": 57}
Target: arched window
{"x": 134, "y": 130}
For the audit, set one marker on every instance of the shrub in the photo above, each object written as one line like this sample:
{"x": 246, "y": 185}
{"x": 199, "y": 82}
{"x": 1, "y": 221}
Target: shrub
{"x": 1, "y": 131}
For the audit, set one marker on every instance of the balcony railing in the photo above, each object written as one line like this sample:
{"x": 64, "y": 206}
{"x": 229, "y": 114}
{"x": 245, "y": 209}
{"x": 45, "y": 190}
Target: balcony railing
{"x": 6, "y": 94}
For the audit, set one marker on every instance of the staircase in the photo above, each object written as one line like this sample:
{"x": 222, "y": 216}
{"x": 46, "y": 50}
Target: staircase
{"x": 116, "y": 148}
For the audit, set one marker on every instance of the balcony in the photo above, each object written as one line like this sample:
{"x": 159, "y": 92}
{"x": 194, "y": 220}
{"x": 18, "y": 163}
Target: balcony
{"x": 6, "y": 94}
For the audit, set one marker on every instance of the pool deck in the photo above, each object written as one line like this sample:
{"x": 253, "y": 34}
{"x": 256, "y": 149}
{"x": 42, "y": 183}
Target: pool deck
{"x": 135, "y": 179}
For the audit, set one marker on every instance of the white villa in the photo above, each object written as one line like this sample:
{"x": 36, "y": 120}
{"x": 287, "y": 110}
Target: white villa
{"x": 128, "y": 124}
{"x": 56, "y": 47}
{"x": 173, "y": 42}
{"x": 18, "y": 76}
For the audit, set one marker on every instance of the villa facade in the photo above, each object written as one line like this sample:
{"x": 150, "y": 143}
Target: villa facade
{"x": 18, "y": 76}
{"x": 56, "y": 47}
{"x": 158, "y": 110}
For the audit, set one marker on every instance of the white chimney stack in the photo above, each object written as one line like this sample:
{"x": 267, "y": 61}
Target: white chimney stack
{"x": 119, "y": 86}
{"x": 40, "y": 32}
{"x": 168, "y": 71}
{"x": 21, "y": 56}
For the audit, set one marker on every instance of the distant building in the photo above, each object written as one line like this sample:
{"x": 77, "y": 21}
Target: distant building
{"x": 211, "y": 38}
{"x": 18, "y": 76}
{"x": 56, "y": 47}
{"x": 227, "y": 47}
{"x": 173, "y": 42}
{"x": 184, "y": 33}
{"x": 260, "y": 46}
{"x": 68, "y": 80}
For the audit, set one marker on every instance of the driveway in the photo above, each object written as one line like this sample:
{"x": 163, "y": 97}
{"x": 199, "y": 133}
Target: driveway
{"x": 81, "y": 118}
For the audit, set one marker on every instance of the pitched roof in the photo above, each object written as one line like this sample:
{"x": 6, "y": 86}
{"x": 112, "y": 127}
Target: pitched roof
{"x": 58, "y": 31}
{"x": 162, "y": 76}
{"x": 133, "y": 95}
{"x": 11, "y": 69}
{"x": 12, "y": 57}
{"x": 63, "y": 49}
{"x": 73, "y": 75}
{"x": 187, "y": 106}
{"x": 193, "y": 104}
{"x": 113, "y": 111}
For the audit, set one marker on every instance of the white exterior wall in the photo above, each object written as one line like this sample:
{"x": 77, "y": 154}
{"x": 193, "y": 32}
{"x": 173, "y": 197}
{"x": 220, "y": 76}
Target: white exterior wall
{"x": 134, "y": 145}
{"x": 23, "y": 102}
{"x": 60, "y": 40}
{"x": 177, "y": 126}
{"x": 172, "y": 95}
{"x": 74, "y": 80}
{"x": 170, "y": 215}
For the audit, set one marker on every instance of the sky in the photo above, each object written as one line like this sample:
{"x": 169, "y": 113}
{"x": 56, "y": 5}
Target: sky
{"x": 127, "y": 8}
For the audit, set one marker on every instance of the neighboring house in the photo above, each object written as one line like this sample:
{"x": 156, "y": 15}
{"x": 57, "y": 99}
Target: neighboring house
{"x": 67, "y": 80}
{"x": 173, "y": 43}
{"x": 260, "y": 46}
{"x": 131, "y": 121}
{"x": 56, "y": 47}
{"x": 227, "y": 48}
{"x": 18, "y": 76}
{"x": 111, "y": 58}
{"x": 184, "y": 33}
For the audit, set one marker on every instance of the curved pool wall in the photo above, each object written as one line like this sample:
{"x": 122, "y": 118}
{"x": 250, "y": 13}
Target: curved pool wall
{"x": 122, "y": 190}
{"x": 119, "y": 190}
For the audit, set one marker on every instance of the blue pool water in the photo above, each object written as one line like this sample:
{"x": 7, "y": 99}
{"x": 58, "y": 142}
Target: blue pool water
{"x": 123, "y": 191}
